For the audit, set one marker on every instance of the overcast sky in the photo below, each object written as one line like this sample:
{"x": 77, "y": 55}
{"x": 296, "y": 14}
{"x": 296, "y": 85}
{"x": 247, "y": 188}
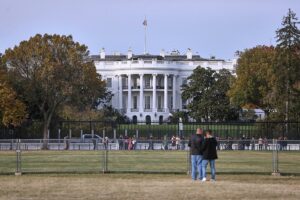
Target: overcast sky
{"x": 209, "y": 27}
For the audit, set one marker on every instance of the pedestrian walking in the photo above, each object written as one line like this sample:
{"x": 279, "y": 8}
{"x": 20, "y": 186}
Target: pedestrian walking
{"x": 173, "y": 142}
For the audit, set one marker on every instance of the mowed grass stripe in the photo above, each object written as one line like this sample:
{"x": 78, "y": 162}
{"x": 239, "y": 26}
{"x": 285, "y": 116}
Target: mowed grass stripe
{"x": 164, "y": 161}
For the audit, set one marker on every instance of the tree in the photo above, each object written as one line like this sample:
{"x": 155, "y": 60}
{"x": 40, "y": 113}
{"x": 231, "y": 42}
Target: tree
{"x": 179, "y": 114}
{"x": 51, "y": 71}
{"x": 206, "y": 92}
{"x": 252, "y": 88}
{"x": 12, "y": 110}
{"x": 286, "y": 68}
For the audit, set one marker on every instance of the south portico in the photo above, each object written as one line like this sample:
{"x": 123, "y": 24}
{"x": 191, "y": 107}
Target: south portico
{"x": 147, "y": 96}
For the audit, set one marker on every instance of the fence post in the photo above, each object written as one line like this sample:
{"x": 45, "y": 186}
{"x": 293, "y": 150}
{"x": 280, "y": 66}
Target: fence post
{"x": 103, "y": 134}
{"x": 58, "y": 135}
{"x": 115, "y": 135}
{"x": 275, "y": 159}
{"x": 18, "y": 164}
{"x": 188, "y": 163}
{"x": 105, "y": 161}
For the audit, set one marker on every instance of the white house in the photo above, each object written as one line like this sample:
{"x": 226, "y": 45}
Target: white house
{"x": 148, "y": 87}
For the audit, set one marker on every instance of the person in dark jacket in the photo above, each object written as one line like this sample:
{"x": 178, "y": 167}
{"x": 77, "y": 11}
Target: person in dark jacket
{"x": 209, "y": 149}
{"x": 195, "y": 144}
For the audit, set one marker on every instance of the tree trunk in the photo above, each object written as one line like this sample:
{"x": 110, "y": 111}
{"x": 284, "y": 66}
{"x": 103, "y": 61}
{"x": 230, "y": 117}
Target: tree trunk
{"x": 45, "y": 136}
{"x": 47, "y": 120}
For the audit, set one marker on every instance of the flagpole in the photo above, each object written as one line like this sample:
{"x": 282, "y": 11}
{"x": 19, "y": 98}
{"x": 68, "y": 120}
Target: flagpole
{"x": 145, "y": 51}
{"x": 145, "y": 38}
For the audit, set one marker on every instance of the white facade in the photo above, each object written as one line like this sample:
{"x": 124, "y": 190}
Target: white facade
{"x": 154, "y": 81}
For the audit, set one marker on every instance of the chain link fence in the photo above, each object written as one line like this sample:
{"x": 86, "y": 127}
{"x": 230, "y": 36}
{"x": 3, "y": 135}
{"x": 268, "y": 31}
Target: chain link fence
{"x": 146, "y": 156}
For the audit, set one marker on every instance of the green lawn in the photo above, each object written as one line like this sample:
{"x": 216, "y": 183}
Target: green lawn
{"x": 144, "y": 161}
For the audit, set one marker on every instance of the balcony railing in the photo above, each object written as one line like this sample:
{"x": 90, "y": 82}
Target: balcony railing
{"x": 160, "y": 110}
{"x": 134, "y": 110}
{"x": 146, "y": 87}
{"x": 135, "y": 87}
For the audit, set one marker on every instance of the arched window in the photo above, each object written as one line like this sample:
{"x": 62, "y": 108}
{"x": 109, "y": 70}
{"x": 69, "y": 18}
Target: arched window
{"x": 161, "y": 119}
{"x": 148, "y": 119}
{"x": 134, "y": 119}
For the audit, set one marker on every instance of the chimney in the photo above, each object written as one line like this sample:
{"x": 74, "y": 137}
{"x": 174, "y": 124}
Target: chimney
{"x": 102, "y": 53}
{"x": 129, "y": 53}
{"x": 189, "y": 54}
{"x": 162, "y": 53}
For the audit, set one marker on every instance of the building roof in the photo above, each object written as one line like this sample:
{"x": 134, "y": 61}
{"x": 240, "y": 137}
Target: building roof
{"x": 123, "y": 57}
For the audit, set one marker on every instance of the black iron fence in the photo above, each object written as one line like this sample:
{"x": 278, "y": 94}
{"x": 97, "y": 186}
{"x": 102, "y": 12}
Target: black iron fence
{"x": 155, "y": 130}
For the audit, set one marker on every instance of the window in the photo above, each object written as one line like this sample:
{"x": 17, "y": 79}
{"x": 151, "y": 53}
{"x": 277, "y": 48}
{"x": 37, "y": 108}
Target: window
{"x": 170, "y": 81}
{"x": 134, "y": 102}
{"x": 124, "y": 82}
{"x": 124, "y": 102}
{"x": 135, "y": 83}
{"x": 160, "y": 82}
{"x": 147, "y": 82}
{"x": 170, "y": 102}
{"x": 109, "y": 82}
{"x": 159, "y": 98}
{"x": 184, "y": 81}
{"x": 147, "y": 102}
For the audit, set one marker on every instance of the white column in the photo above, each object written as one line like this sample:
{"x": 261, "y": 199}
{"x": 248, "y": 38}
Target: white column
{"x": 154, "y": 109}
{"x": 129, "y": 94}
{"x": 141, "y": 107}
{"x": 120, "y": 92}
{"x": 174, "y": 93}
{"x": 166, "y": 93}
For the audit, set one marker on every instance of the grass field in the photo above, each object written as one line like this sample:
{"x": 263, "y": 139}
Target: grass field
{"x": 231, "y": 162}
{"x": 146, "y": 186}
{"x": 65, "y": 175}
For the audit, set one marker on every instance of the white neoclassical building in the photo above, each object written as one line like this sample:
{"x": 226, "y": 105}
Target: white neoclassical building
{"x": 148, "y": 87}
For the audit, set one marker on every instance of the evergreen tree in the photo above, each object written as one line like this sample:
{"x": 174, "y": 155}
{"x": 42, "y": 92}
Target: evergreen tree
{"x": 287, "y": 68}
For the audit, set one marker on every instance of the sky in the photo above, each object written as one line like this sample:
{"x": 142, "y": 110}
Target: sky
{"x": 209, "y": 27}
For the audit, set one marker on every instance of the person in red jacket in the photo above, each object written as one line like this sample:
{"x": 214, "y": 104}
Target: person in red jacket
{"x": 209, "y": 150}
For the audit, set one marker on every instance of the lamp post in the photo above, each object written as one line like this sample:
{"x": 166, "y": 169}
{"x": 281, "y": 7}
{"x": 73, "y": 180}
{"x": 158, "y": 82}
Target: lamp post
{"x": 180, "y": 125}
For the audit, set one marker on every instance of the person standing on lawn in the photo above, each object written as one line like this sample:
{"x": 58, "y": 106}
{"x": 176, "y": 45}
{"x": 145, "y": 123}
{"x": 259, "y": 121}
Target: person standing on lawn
{"x": 209, "y": 149}
{"x": 195, "y": 144}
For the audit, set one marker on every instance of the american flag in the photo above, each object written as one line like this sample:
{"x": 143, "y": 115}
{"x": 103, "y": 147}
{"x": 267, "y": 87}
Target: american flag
{"x": 145, "y": 22}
